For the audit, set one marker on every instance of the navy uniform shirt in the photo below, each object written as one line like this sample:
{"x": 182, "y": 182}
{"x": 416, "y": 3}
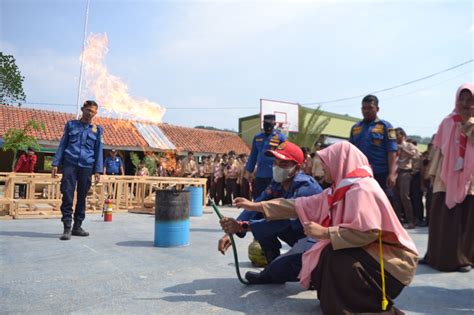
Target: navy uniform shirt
{"x": 260, "y": 144}
{"x": 113, "y": 165}
{"x": 81, "y": 145}
{"x": 375, "y": 139}
{"x": 303, "y": 185}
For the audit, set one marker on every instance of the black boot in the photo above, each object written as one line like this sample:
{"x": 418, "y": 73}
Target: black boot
{"x": 66, "y": 233}
{"x": 78, "y": 231}
{"x": 258, "y": 277}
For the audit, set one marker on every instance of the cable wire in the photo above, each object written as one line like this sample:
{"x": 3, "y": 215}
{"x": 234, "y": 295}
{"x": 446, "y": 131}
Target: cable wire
{"x": 312, "y": 103}
{"x": 392, "y": 87}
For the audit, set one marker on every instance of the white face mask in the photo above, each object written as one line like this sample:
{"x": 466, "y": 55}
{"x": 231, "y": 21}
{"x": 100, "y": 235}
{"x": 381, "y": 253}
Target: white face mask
{"x": 282, "y": 174}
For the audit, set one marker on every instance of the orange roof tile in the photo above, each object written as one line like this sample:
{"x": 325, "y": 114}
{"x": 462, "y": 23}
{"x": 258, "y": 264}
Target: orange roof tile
{"x": 116, "y": 132}
{"x": 202, "y": 140}
{"x": 122, "y": 133}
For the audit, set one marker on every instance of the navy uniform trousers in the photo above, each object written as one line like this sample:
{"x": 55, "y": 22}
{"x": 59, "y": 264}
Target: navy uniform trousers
{"x": 72, "y": 176}
{"x": 268, "y": 234}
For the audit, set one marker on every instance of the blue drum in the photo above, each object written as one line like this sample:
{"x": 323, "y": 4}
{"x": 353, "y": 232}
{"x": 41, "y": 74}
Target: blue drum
{"x": 171, "y": 218}
{"x": 195, "y": 201}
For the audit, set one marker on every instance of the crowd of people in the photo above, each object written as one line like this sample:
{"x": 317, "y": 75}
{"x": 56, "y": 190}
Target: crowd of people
{"x": 229, "y": 175}
{"x": 347, "y": 241}
{"x": 224, "y": 174}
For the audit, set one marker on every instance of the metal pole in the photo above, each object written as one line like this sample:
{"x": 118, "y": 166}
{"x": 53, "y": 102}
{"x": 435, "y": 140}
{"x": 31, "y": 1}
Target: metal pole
{"x": 86, "y": 18}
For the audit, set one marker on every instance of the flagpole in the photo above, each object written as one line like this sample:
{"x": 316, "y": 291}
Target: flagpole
{"x": 78, "y": 104}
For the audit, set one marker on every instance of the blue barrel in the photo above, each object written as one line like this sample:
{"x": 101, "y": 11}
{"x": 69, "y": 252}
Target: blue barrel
{"x": 171, "y": 218}
{"x": 195, "y": 201}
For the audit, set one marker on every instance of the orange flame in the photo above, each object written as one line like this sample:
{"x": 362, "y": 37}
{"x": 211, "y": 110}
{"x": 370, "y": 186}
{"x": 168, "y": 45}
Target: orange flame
{"x": 110, "y": 91}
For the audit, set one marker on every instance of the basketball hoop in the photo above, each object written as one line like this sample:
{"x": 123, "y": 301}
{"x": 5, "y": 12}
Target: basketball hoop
{"x": 286, "y": 115}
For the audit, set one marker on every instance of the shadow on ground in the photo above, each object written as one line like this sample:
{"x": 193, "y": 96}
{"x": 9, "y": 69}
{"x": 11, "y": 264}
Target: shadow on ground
{"x": 257, "y": 299}
{"x": 223, "y": 293}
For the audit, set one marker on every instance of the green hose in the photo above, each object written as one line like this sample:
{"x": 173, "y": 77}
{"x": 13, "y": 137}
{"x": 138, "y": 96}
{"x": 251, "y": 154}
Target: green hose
{"x": 236, "y": 258}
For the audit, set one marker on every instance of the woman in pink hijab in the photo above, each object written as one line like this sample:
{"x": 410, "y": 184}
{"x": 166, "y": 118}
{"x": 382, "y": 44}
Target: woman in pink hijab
{"x": 451, "y": 230}
{"x": 351, "y": 220}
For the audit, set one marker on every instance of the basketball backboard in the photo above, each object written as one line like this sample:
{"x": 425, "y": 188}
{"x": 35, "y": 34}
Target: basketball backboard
{"x": 286, "y": 114}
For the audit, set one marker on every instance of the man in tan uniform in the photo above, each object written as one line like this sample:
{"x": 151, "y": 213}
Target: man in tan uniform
{"x": 402, "y": 201}
{"x": 217, "y": 186}
{"x": 207, "y": 170}
{"x": 416, "y": 192}
{"x": 190, "y": 168}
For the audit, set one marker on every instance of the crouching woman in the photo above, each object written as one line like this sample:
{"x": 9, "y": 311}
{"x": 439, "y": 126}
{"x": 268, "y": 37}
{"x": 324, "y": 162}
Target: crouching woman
{"x": 355, "y": 225}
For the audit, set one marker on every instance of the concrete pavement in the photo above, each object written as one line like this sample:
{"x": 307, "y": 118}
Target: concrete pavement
{"x": 117, "y": 270}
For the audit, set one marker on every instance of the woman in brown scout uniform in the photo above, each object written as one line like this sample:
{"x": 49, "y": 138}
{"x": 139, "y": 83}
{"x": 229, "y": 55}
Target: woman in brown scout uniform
{"x": 451, "y": 229}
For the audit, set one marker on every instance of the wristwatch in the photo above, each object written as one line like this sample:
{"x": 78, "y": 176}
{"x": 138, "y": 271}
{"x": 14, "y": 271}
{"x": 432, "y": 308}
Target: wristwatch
{"x": 244, "y": 225}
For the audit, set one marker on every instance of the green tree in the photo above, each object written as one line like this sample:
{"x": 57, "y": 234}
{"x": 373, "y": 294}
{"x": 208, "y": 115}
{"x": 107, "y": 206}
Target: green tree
{"x": 21, "y": 139}
{"x": 149, "y": 160}
{"x": 214, "y": 128}
{"x": 135, "y": 159}
{"x": 312, "y": 124}
{"x": 11, "y": 81}
{"x": 422, "y": 140}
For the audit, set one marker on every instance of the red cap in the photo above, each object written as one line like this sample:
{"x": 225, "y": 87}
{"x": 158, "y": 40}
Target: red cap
{"x": 287, "y": 151}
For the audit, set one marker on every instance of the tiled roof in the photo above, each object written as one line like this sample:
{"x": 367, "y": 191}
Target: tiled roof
{"x": 15, "y": 117}
{"x": 202, "y": 140}
{"x": 116, "y": 132}
{"x": 122, "y": 133}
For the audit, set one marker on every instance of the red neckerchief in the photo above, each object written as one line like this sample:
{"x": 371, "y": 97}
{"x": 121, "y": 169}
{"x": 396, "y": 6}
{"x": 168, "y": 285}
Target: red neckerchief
{"x": 344, "y": 185}
{"x": 462, "y": 145}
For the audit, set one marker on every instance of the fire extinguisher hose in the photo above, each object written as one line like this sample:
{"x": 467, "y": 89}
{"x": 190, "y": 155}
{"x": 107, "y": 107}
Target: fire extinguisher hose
{"x": 234, "y": 249}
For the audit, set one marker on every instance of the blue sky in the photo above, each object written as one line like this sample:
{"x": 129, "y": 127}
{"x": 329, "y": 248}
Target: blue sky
{"x": 201, "y": 54}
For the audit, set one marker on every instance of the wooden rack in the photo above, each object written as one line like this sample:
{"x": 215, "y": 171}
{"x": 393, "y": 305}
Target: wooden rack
{"x": 43, "y": 195}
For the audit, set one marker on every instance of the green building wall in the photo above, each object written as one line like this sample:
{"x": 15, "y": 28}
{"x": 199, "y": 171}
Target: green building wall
{"x": 339, "y": 125}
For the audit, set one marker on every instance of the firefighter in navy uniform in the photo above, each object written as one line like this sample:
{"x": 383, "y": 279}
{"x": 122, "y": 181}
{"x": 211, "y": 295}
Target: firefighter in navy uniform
{"x": 376, "y": 138}
{"x": 113, "y": 164}
{"x": 80, "y": 155}
{"x": 264, "y": 141}
{"x": 288, "y": 182}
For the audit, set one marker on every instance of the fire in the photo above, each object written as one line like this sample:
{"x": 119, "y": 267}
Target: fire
{"x": 110, "y": 91}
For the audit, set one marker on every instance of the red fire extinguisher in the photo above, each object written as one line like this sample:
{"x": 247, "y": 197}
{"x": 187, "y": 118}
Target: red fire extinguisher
{"x": 107, "y": 210}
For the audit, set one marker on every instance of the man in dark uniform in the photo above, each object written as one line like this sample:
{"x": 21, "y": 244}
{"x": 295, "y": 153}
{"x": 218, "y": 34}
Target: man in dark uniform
{"x": 80, "y": 155}
{"x": 269, "y": 139}
{"x": 113, "y": 164}
{"x": 288, "y": 182}
{"x": 376, "y": 138}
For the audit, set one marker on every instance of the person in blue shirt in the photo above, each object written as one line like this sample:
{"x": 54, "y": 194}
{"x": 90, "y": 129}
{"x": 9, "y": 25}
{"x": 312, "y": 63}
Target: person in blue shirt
{"x": 113, "y": 164}
{"x": 269, "y": 139}
{"x": 80, "y": 155}
{"x": 376, "y": 138}
{"x": 288, "y": 182}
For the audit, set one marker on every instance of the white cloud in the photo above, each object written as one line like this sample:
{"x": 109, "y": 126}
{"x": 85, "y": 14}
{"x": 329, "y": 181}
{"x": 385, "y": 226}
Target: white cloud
{"x": 471, "y": 29}
{"x": 208, "y": 29}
